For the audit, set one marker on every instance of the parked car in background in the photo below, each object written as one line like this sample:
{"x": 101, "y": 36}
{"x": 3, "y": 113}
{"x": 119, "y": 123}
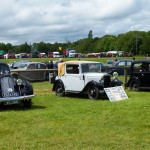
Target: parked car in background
{"x": 26, "y": 71}
{"x": 11, "y": 54}
{"x": 140, "y": 75}
{"x": 112, "y": 54}
{"x": 104, "y": 67}
{"x": 23, "y": 55}
{"x": 12, "y": 90}
{"x": 53, "y": 55}
{"x": 82, "y": 77}
{"x": 121, "y": 64}
{"x": 17, "y": 64}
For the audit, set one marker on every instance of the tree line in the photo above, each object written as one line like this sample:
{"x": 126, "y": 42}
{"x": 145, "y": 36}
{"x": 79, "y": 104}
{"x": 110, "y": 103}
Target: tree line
{"x": 136, "y": 42}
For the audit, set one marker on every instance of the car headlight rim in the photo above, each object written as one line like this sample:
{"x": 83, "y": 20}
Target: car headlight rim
{"x": 19, "y": 82}
{"x": 115, "y": 75}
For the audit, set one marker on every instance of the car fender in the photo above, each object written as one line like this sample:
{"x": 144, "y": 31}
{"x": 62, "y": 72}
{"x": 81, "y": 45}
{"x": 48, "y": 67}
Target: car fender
{"x": 27, "y": 89}
{"x": 56, "y": 82}
{"x": 92, "y": 83}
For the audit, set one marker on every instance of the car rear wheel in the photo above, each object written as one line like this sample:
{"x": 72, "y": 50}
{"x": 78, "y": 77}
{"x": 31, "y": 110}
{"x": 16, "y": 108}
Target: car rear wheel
{"x": 93, "y": 92}
{"x": 134, "y": 85}
{"x": 59, "y": 90}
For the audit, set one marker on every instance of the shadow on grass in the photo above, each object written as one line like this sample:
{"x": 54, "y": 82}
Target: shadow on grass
{"x": 83, "y": 96}
{"x": 19, "y": 107}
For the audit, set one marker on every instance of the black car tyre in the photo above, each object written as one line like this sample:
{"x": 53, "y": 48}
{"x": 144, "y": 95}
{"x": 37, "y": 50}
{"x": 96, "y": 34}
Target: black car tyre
{"x": 27, "y": 103}
{"x": 93, "y": 92}
{"x": 134, "y": 85}
{"x": 59, "y": 90}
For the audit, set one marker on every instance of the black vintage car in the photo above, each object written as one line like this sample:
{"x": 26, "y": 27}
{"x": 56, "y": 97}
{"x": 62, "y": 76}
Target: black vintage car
{"x": 12, "y": 90}
{"x": 140, "y": 75}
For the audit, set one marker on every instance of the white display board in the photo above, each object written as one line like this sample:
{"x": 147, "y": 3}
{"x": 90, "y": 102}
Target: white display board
{"x": 116, "y": 93}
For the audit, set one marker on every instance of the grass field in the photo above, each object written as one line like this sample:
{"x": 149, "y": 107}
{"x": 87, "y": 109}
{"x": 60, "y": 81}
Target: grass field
{"x": 74, "y": 122}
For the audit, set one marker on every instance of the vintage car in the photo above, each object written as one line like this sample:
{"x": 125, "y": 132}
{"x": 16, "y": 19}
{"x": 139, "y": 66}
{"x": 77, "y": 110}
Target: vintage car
{"x": 29, "y": 71}
{"x": 140, "y": 75}
{"x": 12, "y": 90}
{"x": 118, "y": 65}
{"x": 82, "y": 77}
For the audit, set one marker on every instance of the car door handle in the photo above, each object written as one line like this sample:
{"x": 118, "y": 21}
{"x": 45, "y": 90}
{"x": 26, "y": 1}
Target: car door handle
{"x": 83, "y": 77}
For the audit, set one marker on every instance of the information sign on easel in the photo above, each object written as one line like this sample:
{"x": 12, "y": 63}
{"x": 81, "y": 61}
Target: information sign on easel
{"x": 116, "y": 93}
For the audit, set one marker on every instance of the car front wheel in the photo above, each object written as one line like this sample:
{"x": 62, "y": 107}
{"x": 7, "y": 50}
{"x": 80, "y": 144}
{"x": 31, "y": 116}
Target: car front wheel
{"x": 93, "y": 92}
{"x": 27, "y": 103}
{"x": 59, "y": 90}
{"x": 134, "y": 85}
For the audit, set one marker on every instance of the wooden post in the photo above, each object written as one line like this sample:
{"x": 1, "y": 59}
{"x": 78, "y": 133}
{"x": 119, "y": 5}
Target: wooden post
{"x": 125, "y": 75}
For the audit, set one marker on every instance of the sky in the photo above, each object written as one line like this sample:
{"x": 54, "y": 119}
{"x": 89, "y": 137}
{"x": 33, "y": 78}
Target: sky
{"x": 51, "y": 21}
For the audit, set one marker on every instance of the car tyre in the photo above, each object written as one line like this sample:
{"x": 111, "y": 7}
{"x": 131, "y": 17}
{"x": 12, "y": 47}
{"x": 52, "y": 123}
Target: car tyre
{"x": 27, "y": 103}
{"x": 59, "y": 90}
{"x": 93, "y": 93}
{"x": 134, "y": 85}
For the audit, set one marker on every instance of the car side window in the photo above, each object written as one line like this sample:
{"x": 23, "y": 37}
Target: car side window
{"x": 72, "y": 69}
{"x": 129, "y": 63}
{"x": 31, "y": 66}
{"x": 42, "y": 66}
{"x": 137, "y": 67}
{"x": 122, "y": 63}
{"x": 145, "y": 67}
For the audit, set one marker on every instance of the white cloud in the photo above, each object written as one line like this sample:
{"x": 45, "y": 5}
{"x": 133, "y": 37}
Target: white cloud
{"x": 55, "y": 20}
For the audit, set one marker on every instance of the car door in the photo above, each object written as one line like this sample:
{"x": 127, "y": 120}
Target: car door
{"x": 74, "y": 79}
{"x": 121, "y": 64}
{"x": 35, "y": 75}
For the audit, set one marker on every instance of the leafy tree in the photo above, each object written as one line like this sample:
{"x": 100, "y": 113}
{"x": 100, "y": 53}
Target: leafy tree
{"x": 24, "y": 48}
{"x": 90, "y": 35}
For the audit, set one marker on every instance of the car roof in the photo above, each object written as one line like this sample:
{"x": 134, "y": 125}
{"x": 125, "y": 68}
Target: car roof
{"x": 140, "y": 61}
{"x": 61, "y": 66}
{"x": 33, "y": 62}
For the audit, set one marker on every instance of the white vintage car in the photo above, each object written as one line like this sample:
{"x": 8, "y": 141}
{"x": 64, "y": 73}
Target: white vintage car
{"x": 82, "y": 77}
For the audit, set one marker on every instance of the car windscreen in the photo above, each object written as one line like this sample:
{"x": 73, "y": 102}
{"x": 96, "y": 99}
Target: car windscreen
{"x": 18, "y": 63}
{"x": 4, "y": 69}
{"x": 91, "y": 67}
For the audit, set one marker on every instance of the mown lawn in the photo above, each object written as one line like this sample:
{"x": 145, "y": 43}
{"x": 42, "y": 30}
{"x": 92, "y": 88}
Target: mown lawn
{"x": 76, "y": 123}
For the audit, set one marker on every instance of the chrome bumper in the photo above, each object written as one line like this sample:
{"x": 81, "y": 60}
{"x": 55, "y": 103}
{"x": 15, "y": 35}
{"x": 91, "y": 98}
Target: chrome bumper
{"x": 26, "y": 97}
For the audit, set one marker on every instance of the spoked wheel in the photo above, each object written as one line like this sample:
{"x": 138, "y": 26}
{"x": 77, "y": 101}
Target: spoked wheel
{"x": 93, "y": 93}
{"x": 59, "y": 90}
{"x": 134, "y": 86}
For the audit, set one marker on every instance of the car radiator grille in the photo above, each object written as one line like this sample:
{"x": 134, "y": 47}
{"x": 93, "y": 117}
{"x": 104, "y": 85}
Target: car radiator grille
{"x": 107, "y": 81}
{"x": 7, "y": 86}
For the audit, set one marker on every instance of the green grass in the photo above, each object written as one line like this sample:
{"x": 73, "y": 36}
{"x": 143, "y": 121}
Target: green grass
{"x": 76, "y": 123}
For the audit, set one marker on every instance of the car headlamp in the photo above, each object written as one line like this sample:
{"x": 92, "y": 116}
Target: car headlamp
{"x": 115, "y": 75}
{"x": 19, "y": 82}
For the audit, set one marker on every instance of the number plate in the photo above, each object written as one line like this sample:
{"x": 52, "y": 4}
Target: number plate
{"x": 10, "y": 102}
{"x": 10, "y": 94}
